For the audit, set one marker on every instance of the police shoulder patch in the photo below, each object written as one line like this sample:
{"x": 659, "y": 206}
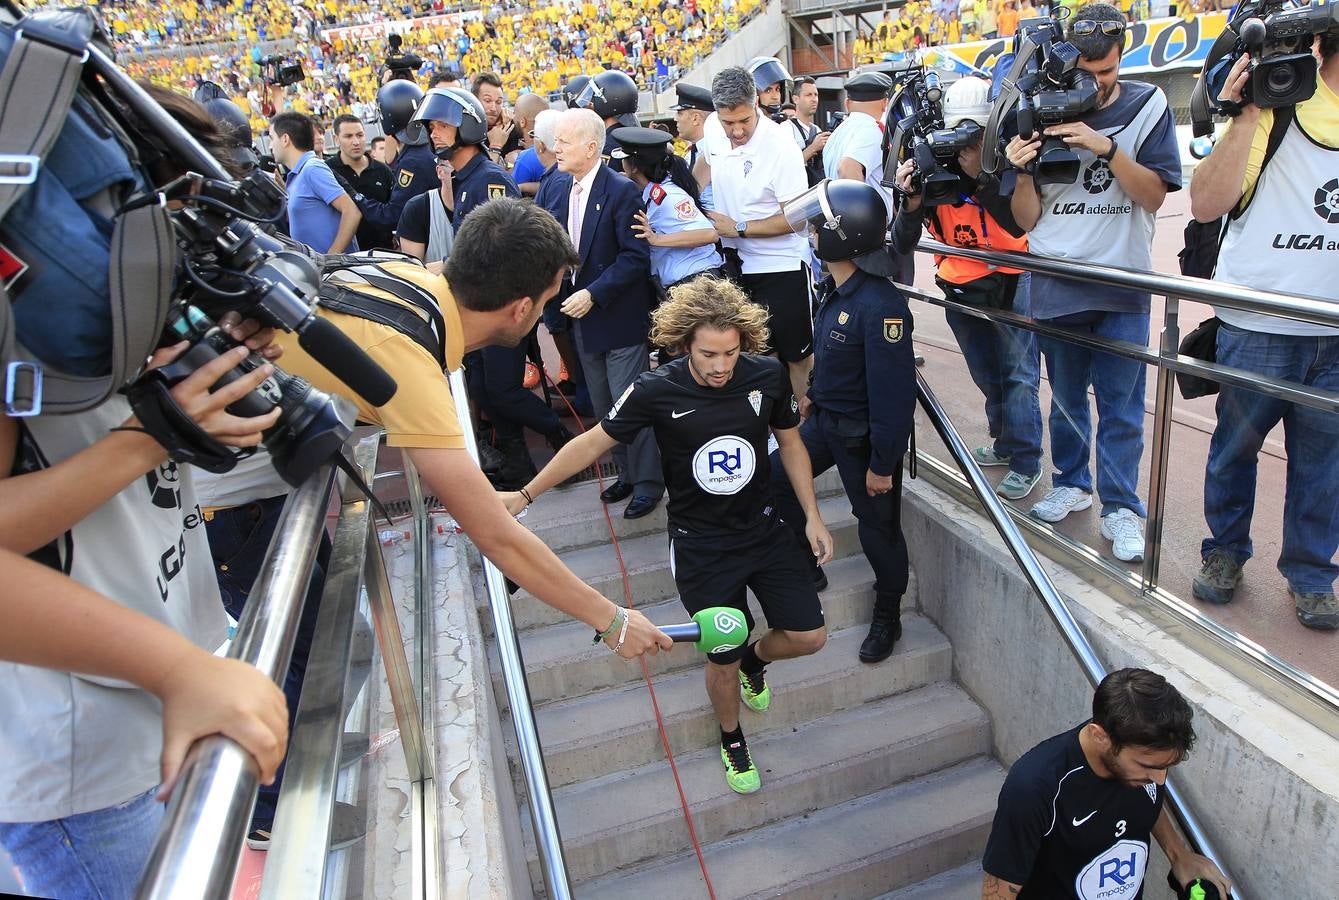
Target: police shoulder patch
{"x": 406, "y": 178}
{"x": 892, "y": 330}
{"x": 686, "y": 210}
{"x": 496, "y": 190}
{"x": 657, "y": 194}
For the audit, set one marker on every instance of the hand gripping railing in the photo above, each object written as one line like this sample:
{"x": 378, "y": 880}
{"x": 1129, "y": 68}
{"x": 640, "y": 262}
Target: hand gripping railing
{"x": 548, "y": 840}
{"x": 1046, "y": 590}
{"x": 200, "y": 842}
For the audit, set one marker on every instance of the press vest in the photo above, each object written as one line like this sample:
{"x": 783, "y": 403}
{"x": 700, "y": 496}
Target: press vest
{"x": 969, "y": 225}
{"x": 1287, "y": 239}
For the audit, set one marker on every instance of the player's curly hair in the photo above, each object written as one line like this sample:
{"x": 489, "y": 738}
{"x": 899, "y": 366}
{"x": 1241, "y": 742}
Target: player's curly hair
{"x": 712, "y": 302}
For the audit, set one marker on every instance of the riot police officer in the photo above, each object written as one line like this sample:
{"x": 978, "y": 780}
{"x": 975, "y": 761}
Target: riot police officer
{"x": 457, "y": 128}
{"x": 773, "y": 82}
{"x": 613, "y": 97}
{"x": 572, "y": 90}
{"x": 862, "y": 391}
{"x": 682, "y": 238}
{"x": 413, "y": 168}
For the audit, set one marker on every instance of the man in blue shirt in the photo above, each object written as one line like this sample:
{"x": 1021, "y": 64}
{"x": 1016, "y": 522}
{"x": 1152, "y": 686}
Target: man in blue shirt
{"x": 320, "y": 214}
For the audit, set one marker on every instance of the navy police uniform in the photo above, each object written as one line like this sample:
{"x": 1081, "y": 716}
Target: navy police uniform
{"x": 414, "y": 171}
{"x": 863, "y": 391}
{"x": 477, "y": 182}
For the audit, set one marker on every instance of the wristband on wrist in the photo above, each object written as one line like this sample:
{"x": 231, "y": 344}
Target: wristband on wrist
{"x": 526, "y": 495}
{"x": 1110, "y": 154}
{"x": 619, "y": 613}
{"x": 622, "y": 633}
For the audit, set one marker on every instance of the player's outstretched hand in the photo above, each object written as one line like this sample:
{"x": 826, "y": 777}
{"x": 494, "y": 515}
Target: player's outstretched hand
{"x": 204, "y": 694}
{"x": 642, "y": 637}
{"x": 820, "y": 540}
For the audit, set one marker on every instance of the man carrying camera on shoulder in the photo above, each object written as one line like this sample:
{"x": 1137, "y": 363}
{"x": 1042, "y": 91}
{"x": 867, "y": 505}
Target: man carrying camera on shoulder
{"x": 1282, "y": 233}
{"x": 1128, "y": 161}
{"x": 1002, "y": 360}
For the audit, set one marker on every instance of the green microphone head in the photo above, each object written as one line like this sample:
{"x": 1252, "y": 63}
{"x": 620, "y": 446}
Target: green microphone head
{"x": 723, "y": 628}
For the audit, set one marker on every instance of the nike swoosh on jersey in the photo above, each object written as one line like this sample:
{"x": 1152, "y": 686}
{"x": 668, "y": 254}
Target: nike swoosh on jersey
{"x": 1078, "y": 822}
{"x": 680, "y": 415}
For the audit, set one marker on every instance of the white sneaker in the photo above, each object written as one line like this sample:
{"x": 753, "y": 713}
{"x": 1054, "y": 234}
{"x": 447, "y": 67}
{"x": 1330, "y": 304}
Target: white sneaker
{"x": 1125, "y": 530}
{"x": 1060, "y": 502}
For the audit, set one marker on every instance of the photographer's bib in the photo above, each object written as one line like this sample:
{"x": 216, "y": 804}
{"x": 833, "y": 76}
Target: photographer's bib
{"x": 1287, "y": 239}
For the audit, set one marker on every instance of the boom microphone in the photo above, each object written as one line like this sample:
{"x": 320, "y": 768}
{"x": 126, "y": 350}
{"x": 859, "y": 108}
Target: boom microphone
{"x": 346, "y": 361}
{"x": 713, "y": 630}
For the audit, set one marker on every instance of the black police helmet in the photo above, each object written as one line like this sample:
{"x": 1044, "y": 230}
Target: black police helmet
{"x": 850, "y": 217}
{"x": 206, "y": 91}
{"x": 572, "y": 90}
{"x": 458, "y": 107}
{"x": 767, "y": 71}
{"x": 397, "y": 100}
{"x": 235, "y": 129}
{"x": 611, "y": 94}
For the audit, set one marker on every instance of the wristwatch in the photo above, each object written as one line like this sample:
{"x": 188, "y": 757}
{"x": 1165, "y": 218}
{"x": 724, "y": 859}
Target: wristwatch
{"x": 741, "y": 227}
{"x": 1110, "y": 154}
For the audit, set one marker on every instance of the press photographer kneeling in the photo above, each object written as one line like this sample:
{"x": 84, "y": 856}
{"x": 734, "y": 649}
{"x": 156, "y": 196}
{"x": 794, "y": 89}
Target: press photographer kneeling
{"x": 969, "y": 212}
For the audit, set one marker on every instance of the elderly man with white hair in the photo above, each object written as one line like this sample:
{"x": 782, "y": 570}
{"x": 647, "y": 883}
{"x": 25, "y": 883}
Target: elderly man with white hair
{"x": 536, "y": 160}
{"x": 608, "y": 295}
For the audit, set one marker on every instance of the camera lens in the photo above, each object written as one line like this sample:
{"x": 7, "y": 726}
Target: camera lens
{"x": 1281, "y": 80}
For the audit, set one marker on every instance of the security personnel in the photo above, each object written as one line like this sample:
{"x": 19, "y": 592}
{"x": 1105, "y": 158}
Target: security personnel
{"x": 773, "y": 82}
{"x": 413, "y": 167}
{"x": 613, "y": 97}
{"x": 856, "y": 151}
{"x": 682, "y": 238}
{"x": 691, "y": 112}
{"x": 572, "y": 90}
{"x": 457, "y": 125}
{"x": 862, "y": 391}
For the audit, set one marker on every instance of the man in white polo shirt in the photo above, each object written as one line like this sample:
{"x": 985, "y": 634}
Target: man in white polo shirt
{"x": 755, "y": 168}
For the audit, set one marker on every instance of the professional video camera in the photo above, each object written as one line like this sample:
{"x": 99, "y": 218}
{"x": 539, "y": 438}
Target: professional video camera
{"x": 1277, "y": 36}
{"x": 1044, "y": 87}
{"x": 281, "y": 70}
{"x": 402, "y": 66}
{"x": 916, "y": 122}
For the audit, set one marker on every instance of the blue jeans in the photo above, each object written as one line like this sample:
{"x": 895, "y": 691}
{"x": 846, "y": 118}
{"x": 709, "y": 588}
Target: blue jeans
{"x": 1003, "y": 364}
{"x": 1118, "y": 386}
{"x": 1310, "y": 437}
{"x": 97, "y": 855}
{"x": 238, "y": 538}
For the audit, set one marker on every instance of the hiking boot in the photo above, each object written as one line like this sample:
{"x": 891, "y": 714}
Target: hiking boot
{"x": 1016, "y": 485}
{"x": 740, "y": 772}
{"x": 1316, "y": 609}
{"x": 517, "y": 466}
{"x": 1217, "y": 579}
{"x": 986, "y": 456}
{"x": 755, "y": 691}
{"x": 884, "y": 631}
{"x": 1125, "y": 530}
{"x": 1060, "y": 502}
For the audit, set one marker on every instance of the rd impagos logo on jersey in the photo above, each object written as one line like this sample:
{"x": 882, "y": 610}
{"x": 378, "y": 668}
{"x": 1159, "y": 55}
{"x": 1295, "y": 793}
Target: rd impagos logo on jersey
{"x": 723, "y": 465}
{"x": 1114, "y": 874}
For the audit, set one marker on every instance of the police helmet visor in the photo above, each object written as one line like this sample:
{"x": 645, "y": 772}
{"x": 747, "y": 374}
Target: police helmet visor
{"x": 812, "y": 208}
{"x": 768, "y": 73}
{"x": 440, "y": 106}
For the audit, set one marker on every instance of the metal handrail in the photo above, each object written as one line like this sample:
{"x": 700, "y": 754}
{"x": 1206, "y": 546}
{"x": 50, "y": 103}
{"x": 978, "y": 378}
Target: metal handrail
{"x": 1045, "y": 589}
{"x": 199, "y": 844}
{"x": 548, "y": 839}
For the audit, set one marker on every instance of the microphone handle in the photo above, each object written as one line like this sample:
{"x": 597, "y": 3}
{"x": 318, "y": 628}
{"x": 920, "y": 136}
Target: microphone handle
{"x": 346, "y": 361}
{"x": 688, "y": 633}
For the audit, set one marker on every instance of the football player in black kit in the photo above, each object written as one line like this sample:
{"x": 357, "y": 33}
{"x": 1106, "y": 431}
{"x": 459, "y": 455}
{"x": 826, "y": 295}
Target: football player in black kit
{"x": 1076, "y": 811}
{"x": 712, "y": 410}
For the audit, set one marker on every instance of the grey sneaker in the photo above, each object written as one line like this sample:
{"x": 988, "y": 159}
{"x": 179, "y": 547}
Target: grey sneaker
{"x": 1316, "y": 609}
{"x": 1016, "y": 485}
{"x": 1060, "y": 502}
{"x": 1217, "y": 579}
{"x": 986, "y": 456}
{"x": 1125, "y": 530}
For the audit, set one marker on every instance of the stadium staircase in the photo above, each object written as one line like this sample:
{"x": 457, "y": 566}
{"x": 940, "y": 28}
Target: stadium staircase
{"x": 878, "y": 781}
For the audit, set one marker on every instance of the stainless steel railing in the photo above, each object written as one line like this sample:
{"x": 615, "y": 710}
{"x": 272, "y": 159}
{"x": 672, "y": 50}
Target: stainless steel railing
{"x": 1312, "y": 692}
{"x": 200, "y": 842}
{"x": 548, "y": 840}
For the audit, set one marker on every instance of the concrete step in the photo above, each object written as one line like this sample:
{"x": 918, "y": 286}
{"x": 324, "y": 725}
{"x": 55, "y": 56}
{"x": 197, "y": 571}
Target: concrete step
{"x": 561, "y": 662}
{"x": 962, "y": 883}
{"x": 627, "y": 817}
{"x": 573, "y": 517}
{"x": 613, "y": 730}
{"x": 647, "y": 560}
{"x": 862, "y": 848}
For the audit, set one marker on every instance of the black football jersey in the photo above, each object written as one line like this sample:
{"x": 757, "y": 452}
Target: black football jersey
{"x": 1062, "y": 832}
{"x": 713, "y": 441}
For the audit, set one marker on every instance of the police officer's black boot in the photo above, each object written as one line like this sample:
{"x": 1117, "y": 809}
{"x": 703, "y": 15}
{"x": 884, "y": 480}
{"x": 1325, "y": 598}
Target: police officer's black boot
{"x": 884, "y": 630}
{"x": 517, "y": 466}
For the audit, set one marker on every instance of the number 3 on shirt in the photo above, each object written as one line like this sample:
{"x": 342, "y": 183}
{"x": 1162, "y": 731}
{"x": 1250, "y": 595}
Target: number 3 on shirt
{"x": 1120, "y": 828}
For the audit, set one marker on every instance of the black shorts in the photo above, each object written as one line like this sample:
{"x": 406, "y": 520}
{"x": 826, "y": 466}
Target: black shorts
{"x": 788, "y": 297}
{"x": 770, "y": 560}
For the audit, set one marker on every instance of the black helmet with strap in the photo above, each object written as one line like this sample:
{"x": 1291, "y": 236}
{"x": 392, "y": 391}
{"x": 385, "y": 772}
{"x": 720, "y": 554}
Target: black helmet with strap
{"x": 850, "y": 217}
{"x": 456, "y": 107}
{"x": 613, "y": 95}
{"x": 397, "y": 101}
{"x": 572, "y": 90}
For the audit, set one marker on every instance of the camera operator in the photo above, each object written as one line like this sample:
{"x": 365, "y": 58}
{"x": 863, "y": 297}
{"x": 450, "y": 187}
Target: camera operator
{"x": 1267, "y": 207}
{"x": 407, "y": 152}
{"x": 1129, "y": 161}
{"x": 362, "y": 174}
{"x": 1002, "y": 360}
{"x": 1076, "y": 811}
{"x": 808, "y": 135}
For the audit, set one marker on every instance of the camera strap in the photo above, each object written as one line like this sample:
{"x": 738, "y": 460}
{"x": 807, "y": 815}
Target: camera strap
{"x": 168, "y": 424}
{"x": 37, "y": 87}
